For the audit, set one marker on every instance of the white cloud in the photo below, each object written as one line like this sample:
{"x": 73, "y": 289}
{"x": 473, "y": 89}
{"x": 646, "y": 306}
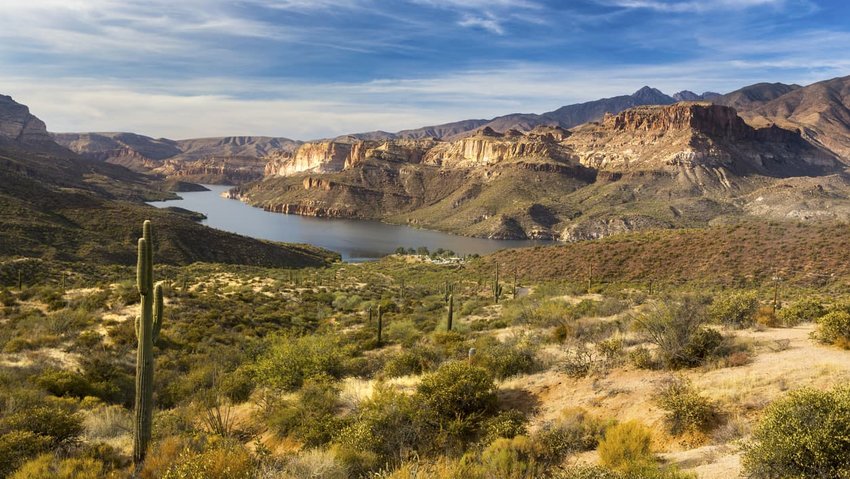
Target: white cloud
{"x": 488, "y": 22}
{"x": 693, "y": 6}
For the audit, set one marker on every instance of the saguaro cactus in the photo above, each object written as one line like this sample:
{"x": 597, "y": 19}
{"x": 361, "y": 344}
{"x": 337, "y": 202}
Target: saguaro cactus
{"x": 448, "y": 290}
{"x": 20, "y": 280}
{"x": 451, "y": 312}
{"x": 148, "y": 324}
{"x": 380, "y": 323}
{"x": 497, "y": 288}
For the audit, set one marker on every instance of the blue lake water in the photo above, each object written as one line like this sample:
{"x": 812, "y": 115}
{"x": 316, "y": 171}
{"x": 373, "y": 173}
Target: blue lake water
{"x": 355, "y": 240}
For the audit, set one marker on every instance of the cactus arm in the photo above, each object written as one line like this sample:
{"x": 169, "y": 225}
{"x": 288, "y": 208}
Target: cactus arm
{"x": 141, "y": 270}
{"x": 157, "y": 311}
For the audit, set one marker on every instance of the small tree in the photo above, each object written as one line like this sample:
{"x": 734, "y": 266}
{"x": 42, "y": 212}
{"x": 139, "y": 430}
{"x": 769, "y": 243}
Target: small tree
{"x": 736, "y": 309}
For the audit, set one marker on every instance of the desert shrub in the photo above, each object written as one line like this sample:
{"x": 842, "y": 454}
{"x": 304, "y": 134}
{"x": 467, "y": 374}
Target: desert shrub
{"x": 61, "y": 382}
{"x": 506, "y": 424}
{"x": 312, "y": 418}
{"x": 834, "y": 328}
{"x": 107, "y": 422}
{"x": 801, "y": 311}
{"x": 626, "y": 446}
{"x": 578, "y": 362}
{"x": 385, "y": 424}
{"x": 677, "y": 328}
{"x": 687, "y": 410}
{"x": 16, "y": 447}
{"x": 510, "y": 459}
{"x": 586, "y": 472}
{"x": 455, "y": 398}
{"x": 312, "y": 463}
{"x": 291, "y": 360}
{"x": 503, "y": 360}
{"x": 58, "y": 425}
{"x": 218, "y": 460}
{"x": 805, "y": 434}
{"x": 237, "y": 385}
{"x": 641, "y": 358}
{"x": 736, "y": 309}
{"x": 47, "y": 466}
{"x": 416, "y": 360}
{"x": 765, "y": 316}
{"x": 403, "y": 332}
{"x": 575, "y": 431}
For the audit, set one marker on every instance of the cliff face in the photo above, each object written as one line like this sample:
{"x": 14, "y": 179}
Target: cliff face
{"x": 692, "y": 135}
{"x": 233, "y": 159}
{"x": 488, "y": 147}
{"x": 20, "y": 128}
{"x": 343, "y": 154}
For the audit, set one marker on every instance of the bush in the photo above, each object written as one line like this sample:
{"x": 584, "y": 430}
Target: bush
{"x": 806, "y": 434}
{"x": 626, "y": 446}
{"x": 16, "y": 447}
{"x": 454, "y": 400}
{"x": 575, "y": 431}
{"x": 57, "y": 425}
{"x": 801, "y": 311}
{"x": 586, "y": 472}
{"x": 503, "y": 360}
{"x": 677, "y": 328}
{"x": 687, "y": 410}
{"x": 312, "y": 419}
{"x": 68, "y": 383}
{"x": 224, "y": 460}
{"x": 765, "y": 316}
{"x": 510, "y": 459}
{"x": 834, "y": 328}
{"x": 47, "y": 467}
{"x": 735, "y": 309}
{"x": 506, "y": 424}
{"x": 291, "y": 360}
{"x": 416, "y": 360}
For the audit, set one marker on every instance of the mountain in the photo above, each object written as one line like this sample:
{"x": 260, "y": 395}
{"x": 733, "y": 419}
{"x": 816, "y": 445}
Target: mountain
{"x": 229, "y": 160}
{"x": 19, "y": 129}
{"x": 753, "y": 96}
{"x": 687, "y": 95}
{"x": 685, "y": 164}
{"x": 564, "y": 117}
{"x": 57, "y": 205}
{"x": 821, "y": 111}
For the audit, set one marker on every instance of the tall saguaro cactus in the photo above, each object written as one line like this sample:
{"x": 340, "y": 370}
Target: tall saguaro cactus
{"x": 148, "y": 324}
{"x": 448, "y": 290}
{"x": 451, "y": 312}
{"x": 497, "y": 288}
{"x": 380, "y": 323}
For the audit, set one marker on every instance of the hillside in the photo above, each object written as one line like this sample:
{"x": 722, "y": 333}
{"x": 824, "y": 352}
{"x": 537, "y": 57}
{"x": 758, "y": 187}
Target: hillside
{"x": 648, "y": 167}
{"x": 229, "y": 160}
{"x": 821, "y": 111}
{"x": 56, "y": 205}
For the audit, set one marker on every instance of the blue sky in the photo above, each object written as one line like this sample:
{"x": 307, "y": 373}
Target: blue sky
{"x": 309, "y": 69}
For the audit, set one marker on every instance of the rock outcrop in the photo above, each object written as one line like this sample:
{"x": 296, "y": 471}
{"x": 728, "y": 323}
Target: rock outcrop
{"x": 20, "y": 128}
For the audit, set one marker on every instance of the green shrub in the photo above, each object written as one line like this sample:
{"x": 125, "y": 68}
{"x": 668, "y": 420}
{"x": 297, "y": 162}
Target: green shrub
{"x": 386, "y": 424}
{"x": 736, "y": 309}
{"x": 16, "y": 447}
{"x": 61, "y": 382}
{"x": 677, "y": 328}
{"x": 510, "y": 459}
{"x": 586, "y": 472}
{"x": 238, "y": 385}
{"x": 687, "y": 410}
{"x": 801, "y": 311}
{"x": 834, "y": 328}
{"x": 48, "y": 467}
{"x": 416, "y": 360}
{"x": 806, "y": 434}
{"x": 575, "y": 431}
{"x": 291, "y": 360}
{"x": 505, "y": 424}
{"x": 626, "y": 446}
{"x": 503, "y": 360}
{"x": 312, "y": 418}
{"x": 457, "y": 389}
{"x": 58, "y": 425}
{"x": 217, "y": 461}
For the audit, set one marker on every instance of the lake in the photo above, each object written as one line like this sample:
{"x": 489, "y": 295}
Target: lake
{"x": 355, "y": 240}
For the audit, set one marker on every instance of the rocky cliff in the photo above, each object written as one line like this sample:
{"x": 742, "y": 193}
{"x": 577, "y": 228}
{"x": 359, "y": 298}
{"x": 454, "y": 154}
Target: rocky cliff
{"x": 232, "y": 160}
{"x": 20, "y": 128}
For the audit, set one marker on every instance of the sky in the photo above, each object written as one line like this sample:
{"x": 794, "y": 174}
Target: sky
{"x": 307, "y": 69}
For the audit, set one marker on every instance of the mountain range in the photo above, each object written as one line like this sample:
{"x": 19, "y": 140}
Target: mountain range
{"x": 582, "y": 171}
